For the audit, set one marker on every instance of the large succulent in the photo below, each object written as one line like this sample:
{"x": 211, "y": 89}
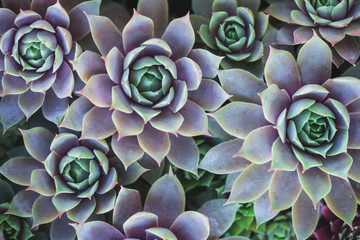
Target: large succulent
{"x": 336, "y": 21}
{"x": 302, "y": 141}
{"x": 235, "y": 29}
{"x": 66, "y": 175}
{"x": 11, "y": 227}
{"x": 37, "y": 42}
{"x": 162, "y": 217}
{"x": 150, "y": 94}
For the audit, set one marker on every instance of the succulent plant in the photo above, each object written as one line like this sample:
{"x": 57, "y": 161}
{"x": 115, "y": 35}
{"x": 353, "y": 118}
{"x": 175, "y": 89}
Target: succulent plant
{"x": 150, "y": 93}
{"x": 11, "y": 227}
{"x": 332, "y": 227}
{"x": 302, "y": 141}
{"x": 163, "y": 216}
{"x": 235, "y": 29}
{"x": 336, "y": 21}
{"x": 66, "y": 175}
{"x": 279, "y": 228}
{"x": 38, "y": 41}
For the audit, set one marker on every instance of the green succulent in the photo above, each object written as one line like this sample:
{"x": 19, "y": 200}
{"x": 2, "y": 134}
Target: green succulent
{"x": 11, "y": 227}
{"x": 336, "y": 21}
{"x": 14, "y": 228}
{"x": 301, "y": 144}
{"x": 235, "y": 29}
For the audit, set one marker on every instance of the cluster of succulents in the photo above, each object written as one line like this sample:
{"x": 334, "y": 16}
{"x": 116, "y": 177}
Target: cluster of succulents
{"x": 179, "y": 120}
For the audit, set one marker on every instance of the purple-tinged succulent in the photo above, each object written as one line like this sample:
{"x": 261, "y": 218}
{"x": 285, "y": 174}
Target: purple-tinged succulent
{"x": 150, "y": 94}
{"x": 336, "y": 21}
{"x": 330, "y": 227}
{"x": 67, "y": 175}
{"x": 235, "y": 29}
{"x": 302, "y": 141}
{"x": 11, "y": 227}
{"x": 38, "y": 41}
{"x": 162, "y": 217}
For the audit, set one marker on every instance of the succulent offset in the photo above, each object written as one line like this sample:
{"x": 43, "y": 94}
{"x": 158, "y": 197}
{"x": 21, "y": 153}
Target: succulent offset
{"x": 11, "y": 227}
{"x": 331, "y": 227}
{"x": 38, "y": 41}
{"x": 235, "y": 29}
{"x": 336, "y": 21}
{"x": 67, "y": 175}
{"x": 302, "y": 143}
{"x": 163, "y": 216}
{"x": 150, "y": 93}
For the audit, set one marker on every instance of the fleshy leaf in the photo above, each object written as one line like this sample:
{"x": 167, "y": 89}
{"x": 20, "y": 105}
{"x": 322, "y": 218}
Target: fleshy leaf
{"x": 342, "y": 200}
{"x": 78, "y": 18}
{"x": 127, "y": 149}
{"x": 97, "y": 230}
{"x": 127, "y": 203}
{"x": 234, "y": 118}
{"x": 257, "y": 146}
{"x": 91, "y": 127}
{"x": 274, "y": 101}
{"x": 22, "y": 203}
{"x": 184, "y": 153}
{"x": 262, "y": 209}
{"x": 146, "y": 139}
{"x": 229, "y": 163}
{"x": 314, "y": 61}
{"x": 238, "y": 82}
{"x": 136, "y": 225}
{"x": 39, "y": 215}
{"x": 180, "y": 36}
{"x": 183, "y": 226}
{"x": 157, "y": 10}
{"x": 315, "y": 183}
{"x": 284, "y": 189}
{"x": 82, "y": 211}
{"x": 220, "y": 217}
{"x": 251, "y": 184}
{"x": 281, "y": 69}
{"x": 73, "y": 118}
{"x": 166, "y": 199}
{"x": 88, "y": 64}
{"x": 210, "y": 96}
{"x": 42, "y": 183}
{"x": 19, "y": 169}
{"x": 304, "y": 216}
{"x": 105, "y": 33}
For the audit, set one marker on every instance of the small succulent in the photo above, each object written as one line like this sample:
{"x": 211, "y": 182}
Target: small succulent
{"x": 11, "y": 227}
{"x": 336, "y": 21}
{"x": 38, "y": 41}
{"x": 279, "y": 228}
{"x": 150, "y": 93}
{"x": 66, "y": 175}
{"x": 333, "y": 228}
{"x": 162, "y": 217}
{"x": 302, "y": 141}
{"x": 235, "y": 29}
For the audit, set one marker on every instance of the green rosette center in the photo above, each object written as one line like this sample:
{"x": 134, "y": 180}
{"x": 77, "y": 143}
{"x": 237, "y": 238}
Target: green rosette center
{"x": 311, "y": 129}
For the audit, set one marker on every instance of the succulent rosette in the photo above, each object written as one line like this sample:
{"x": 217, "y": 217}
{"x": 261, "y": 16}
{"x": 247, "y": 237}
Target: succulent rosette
{"x": 162, "y": 217}
{"x": 11, "y": 227}
{"x": 235, "y": 29}
{"x": 302, "y": 142}
{"x": 336, "y": 21}
{"x": 38, "y": 39}
{"x": 333, "y": 228}
{"x": 150, "y": 94}
{"x": 66, "y": 175}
